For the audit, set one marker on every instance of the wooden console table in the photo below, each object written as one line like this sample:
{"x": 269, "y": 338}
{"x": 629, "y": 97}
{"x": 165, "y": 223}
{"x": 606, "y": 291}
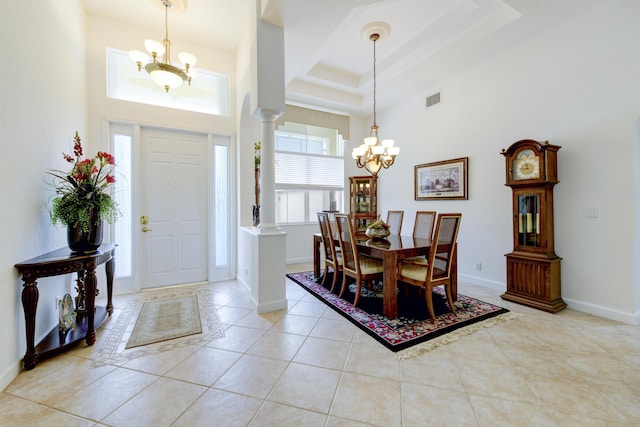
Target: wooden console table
{"x": 55, "y": 263}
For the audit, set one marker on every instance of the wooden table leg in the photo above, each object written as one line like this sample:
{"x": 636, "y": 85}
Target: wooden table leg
{"x": 109, "y": 268}
{"x": 316, "y": 256}
{"x": 454, "y": 273}
{"x": 90, "y": 294}
{"x": 30, "y": 297}
{"x": 390, "y": 284}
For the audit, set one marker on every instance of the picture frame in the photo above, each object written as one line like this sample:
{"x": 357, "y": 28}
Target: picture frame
{"x": 444, "y": 180}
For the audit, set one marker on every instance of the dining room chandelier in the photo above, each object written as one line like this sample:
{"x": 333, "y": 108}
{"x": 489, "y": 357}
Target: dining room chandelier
{"x": 159, "y": 66}
{"x": 374, "y": 154}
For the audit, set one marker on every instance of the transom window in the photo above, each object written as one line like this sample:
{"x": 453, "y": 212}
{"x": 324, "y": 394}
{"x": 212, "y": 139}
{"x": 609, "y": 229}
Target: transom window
{"x": 208, "y": 93}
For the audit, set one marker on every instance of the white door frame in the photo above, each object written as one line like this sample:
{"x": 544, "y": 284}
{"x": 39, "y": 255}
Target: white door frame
{"x": 133, "y": 284}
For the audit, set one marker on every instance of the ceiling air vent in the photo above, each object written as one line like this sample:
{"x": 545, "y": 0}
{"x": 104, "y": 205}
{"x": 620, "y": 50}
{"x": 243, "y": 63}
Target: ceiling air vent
{"x": 433, "y": 99}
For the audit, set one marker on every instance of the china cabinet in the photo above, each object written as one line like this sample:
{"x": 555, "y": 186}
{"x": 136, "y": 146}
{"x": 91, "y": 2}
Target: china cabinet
{"x": 363, "y": 201}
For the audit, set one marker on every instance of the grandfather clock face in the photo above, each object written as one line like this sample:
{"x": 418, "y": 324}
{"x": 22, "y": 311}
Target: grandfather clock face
{"x": 526, "y": 165}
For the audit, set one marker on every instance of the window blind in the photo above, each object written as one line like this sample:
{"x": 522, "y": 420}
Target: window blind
{"x": 298, "y": 170}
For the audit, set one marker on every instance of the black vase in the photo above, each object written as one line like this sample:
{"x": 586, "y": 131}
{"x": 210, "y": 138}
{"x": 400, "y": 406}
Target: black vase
{"x": 85, "y": 242}
{"x": 256, "y": 215}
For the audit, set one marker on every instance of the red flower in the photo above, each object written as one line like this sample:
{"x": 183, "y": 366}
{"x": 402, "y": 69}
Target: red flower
{"x": 106, "y": 158}
{"x": 89, "y": 177}
{"x": 77, "y": 147}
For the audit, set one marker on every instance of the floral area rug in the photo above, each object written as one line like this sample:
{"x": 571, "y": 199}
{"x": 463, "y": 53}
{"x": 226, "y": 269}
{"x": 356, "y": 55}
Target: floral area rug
{"x": 412, "y": 332}
{"x": 163, "y": 320}
{"x": 114, "y": 348}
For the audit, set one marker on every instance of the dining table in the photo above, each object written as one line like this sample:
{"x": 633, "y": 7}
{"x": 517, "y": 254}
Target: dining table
{"x": 390, "y": 250}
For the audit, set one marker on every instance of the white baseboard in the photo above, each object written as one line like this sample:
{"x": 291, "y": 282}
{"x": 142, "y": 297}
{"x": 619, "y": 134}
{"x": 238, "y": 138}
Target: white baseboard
{"x": 300, "y": 260}
{"x": 243, "y": 283}
{"x": 271, "y": 306}
{"x": 475, "y": 280}
{"x": 606, "y": 312}
{"x": 10, "y": 374}
{"x": 585, "y": 307}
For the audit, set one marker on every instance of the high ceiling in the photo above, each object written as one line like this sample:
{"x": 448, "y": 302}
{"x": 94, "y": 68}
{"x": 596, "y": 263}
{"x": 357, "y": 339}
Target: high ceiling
{"x": 327, "y": 62}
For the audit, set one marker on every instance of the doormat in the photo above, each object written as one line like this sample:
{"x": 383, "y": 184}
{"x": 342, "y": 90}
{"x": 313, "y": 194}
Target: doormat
{"x": 412, "y": 332}
{"x": 165, "y": 320}
{"x": 119, "y": 329}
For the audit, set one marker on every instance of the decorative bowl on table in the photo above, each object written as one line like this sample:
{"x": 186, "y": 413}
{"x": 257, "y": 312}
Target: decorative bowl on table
{"x": 377, "y": 233}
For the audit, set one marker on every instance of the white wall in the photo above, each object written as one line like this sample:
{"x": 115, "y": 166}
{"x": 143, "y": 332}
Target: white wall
{"x": 43, "y": 103}
{"x": 577, "y": 86}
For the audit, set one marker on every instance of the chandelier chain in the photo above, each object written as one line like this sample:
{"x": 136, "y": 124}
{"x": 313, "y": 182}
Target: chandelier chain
{"x": 374, "y": 37}
{"x": 374, "y": 155}
{"x": 167, "y": 42}
{"x": 166, "y": 22}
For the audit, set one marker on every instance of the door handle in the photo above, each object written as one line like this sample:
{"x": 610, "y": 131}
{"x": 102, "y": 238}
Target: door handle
{"x": 145, "y": 229}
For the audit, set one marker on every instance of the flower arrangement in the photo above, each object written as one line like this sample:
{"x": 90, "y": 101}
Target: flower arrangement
{"x": 256, "y": 165}
{"x": 256, "y": 155}
{"x": 378, "y": 229}
{"x": 379, "y": 224}
{"x": 83, "y": 190}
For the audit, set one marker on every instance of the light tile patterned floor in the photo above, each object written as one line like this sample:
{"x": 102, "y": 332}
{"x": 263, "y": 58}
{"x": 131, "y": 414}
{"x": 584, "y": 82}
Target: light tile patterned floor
{"x": 309, "y": 367}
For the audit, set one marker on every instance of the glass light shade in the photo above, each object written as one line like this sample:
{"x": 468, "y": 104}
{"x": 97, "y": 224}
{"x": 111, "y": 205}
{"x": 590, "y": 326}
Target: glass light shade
{"x": 139, "y": 56}
{"x": 377, "y": 149}
{"x": 166, "y": 75}
{"x": 388, "y": 142}
{"x": 166, "y": 78}
{"x": 371, "y": 140}
{"x": 187, "y": 58}
{"x": 393, "y": 151}
{"x": 193, "y": 73}
{"x": 154, "y": 46}
{"x": 374, "y": 166}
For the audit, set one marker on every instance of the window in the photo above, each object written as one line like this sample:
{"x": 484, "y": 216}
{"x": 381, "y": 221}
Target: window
{"x": 208, "y": 93}
{"x": 309, "y": 172}
{"x": 123, "y": 229}
{"x": 221, "y": 204}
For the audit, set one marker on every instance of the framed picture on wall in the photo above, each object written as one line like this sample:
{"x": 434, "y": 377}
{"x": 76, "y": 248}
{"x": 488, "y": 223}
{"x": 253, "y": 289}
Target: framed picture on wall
{"x": 445, "y": 180}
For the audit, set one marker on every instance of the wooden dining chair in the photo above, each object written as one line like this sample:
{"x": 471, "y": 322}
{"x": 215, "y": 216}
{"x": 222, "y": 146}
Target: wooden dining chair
{"x": 423, "y": 225}
{"x": 355, "y": 265}
{"x": 332, "y": 257}
{"x": 394, "y": 219}
{"x": 423, "y": 229}
{"x": 437, "y": 272}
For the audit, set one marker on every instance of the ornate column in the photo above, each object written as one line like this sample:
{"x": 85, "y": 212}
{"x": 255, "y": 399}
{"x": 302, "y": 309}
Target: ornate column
{"x": 268, "y": 170}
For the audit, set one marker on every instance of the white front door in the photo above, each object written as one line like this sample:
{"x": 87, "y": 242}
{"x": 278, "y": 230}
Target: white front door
{"x": 173, "y": 203}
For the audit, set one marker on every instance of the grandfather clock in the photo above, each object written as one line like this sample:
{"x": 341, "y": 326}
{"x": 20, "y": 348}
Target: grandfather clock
{"x": 533, "y": 268}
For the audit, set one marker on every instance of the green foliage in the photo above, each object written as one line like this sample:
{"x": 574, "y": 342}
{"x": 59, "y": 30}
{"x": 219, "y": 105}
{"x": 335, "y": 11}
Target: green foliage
{"x": 71, "y": 210}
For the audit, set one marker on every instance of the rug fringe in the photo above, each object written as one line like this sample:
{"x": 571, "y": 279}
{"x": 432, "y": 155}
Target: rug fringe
{"x": 426, "y": 347}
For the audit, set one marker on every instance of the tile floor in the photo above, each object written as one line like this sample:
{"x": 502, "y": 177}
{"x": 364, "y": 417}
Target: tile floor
{"x": 307, "y": 366}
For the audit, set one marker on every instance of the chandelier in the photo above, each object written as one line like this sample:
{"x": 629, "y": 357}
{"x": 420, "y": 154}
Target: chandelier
{"x": 374, "y": 154}
{"x": 161, "y": 70}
